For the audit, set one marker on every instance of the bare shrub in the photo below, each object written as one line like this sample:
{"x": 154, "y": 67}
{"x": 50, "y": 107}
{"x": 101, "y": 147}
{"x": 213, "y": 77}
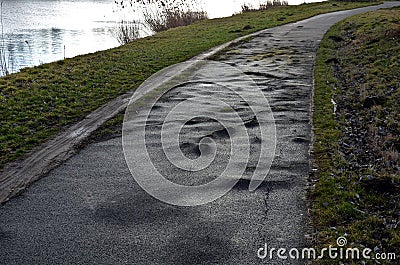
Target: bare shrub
{"x": 160, "y": 15}
{"x": 279, "y": 3}
{"x": 247, "y": 8}
{"x": 264, "y": 6}
{"x": 167, "y": 18}
{"x": 128, "y": 31}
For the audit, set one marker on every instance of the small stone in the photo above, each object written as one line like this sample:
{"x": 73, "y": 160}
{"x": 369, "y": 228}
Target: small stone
{"x": 369, "y": 177}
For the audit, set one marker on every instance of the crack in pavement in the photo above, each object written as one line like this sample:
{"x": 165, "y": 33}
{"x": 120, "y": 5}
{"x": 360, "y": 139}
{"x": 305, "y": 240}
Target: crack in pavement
{"x": 90, "y": 210}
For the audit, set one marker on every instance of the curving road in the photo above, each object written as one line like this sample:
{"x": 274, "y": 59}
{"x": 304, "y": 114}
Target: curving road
{"x": 91, "y": 211}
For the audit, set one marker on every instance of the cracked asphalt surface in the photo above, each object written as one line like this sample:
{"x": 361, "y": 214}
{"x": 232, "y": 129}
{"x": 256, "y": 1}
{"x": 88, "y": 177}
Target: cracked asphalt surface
{"x": 91, "y": 211}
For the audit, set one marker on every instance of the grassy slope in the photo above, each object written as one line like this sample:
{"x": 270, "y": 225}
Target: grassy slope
{"x": 356, "y": 151}
{"x": 39, "y": 102}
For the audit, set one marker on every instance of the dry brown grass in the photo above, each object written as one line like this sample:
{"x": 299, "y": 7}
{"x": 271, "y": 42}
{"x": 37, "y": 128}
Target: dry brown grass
{"x": 168, "y": 18}
{"x": 264, "y": 6}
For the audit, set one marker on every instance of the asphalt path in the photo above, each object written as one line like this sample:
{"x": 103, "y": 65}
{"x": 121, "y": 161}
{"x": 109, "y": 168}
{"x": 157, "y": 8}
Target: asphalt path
{"x": 90, "y": 210}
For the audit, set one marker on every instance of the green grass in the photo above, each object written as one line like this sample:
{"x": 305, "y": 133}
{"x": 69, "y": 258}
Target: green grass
{"x": 356, "y": 151}
{"x": 39, "y": 102}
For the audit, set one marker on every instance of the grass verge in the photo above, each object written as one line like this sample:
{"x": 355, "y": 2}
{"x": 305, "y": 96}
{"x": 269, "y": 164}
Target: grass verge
{"x": 356, "y": 150}
{"x": 39, "y": 102}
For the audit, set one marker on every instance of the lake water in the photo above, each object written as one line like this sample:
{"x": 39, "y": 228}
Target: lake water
{"x": 37, "y": 31}
{"x": 41, "y": 31}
